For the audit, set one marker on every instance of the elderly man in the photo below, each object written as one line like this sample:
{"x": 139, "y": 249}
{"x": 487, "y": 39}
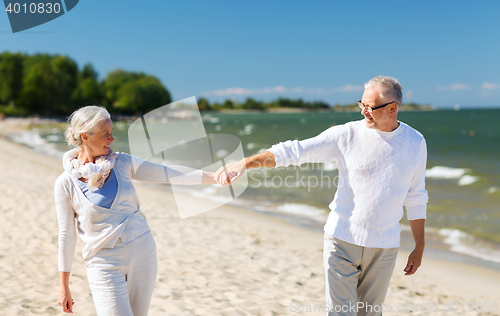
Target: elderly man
{"x": 381, "y": 163}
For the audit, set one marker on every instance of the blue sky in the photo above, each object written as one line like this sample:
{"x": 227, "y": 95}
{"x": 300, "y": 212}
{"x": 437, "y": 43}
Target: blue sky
{"x": 444, "y": 53}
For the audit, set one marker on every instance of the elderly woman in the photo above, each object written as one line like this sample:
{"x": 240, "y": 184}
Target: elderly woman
{"x": 96, "y": 190}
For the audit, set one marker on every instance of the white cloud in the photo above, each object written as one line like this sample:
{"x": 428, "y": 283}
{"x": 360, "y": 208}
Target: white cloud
{"x": 348, "y": 88}
{"x": 345, "y": 88}
{"x": 231, "y": 91}
{"x": 282, "y": 89}
{"x": 454, "y": 87}
{"x": 490, "y": 86}
{"x": 298, "y": 89}
{"x": 317, "y": 90}
{"x": 275, "y": 89}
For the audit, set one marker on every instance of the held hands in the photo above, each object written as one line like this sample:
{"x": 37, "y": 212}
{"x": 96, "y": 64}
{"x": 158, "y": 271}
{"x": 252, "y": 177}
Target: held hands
{"x": 230, "y": 172}
{"x": 210, "y": 177}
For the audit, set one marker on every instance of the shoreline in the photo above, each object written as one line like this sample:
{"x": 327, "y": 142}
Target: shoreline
{"x": 436, "y": 247}
{"x": 229, "y": 261}
{"x": 404, "y": 108}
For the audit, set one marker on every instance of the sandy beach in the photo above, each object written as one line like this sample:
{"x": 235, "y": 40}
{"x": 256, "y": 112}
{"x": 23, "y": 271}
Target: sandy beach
{"x": 228, "y": 261}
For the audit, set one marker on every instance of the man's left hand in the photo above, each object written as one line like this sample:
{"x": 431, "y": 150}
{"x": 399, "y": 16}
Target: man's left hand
{"x": 414, "y": 262}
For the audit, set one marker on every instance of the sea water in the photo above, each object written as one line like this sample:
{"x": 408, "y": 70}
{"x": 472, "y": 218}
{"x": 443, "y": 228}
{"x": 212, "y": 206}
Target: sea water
{"x": 462, "y": 177}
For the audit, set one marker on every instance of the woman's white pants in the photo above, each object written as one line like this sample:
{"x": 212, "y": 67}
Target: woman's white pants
{"x": 122, "y": 279}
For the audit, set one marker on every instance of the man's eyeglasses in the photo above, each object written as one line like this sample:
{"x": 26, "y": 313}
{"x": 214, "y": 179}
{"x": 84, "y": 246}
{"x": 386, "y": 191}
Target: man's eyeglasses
{"x": 370, "y": 109}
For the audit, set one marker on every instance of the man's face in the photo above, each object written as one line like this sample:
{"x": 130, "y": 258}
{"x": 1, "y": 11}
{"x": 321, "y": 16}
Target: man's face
{"x": 379, "y": 118}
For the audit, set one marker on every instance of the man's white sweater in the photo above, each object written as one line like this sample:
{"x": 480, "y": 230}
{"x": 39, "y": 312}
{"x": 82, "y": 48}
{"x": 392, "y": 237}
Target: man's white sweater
{"x": 379, "y": 172}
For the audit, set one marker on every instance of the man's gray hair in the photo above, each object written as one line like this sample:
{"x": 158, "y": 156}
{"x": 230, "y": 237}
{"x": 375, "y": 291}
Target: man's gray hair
{"x": 84, "y": 120}
{"x": 390, "y": 90}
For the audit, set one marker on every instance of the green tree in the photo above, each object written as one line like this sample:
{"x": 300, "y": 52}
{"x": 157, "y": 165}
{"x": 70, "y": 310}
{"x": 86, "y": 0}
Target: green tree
{"x": 66, "y": 80}
{"x": 319, "y": 105}
{"x": 114, "y": 81}
{"x": 37, "y": 88}
{"x": 203, "y": 104}
{"x": 252, "y": 104}
{"x": 48, "y": 85}
{"x": 89, "y": 90}
{"x": 216, "y": 106}
{"x": 286, "y": 103}
{"x": 141, "y": 95}
{"x": 11, "y": 77}
{"x": 228, "y": 105}
{"x": 88, "y": 71}
{"x": 289, "y": 103}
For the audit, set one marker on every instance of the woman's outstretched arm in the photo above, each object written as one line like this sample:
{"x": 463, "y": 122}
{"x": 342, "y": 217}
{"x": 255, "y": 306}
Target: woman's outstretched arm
{"x": 208, "y": 178}
{"x": 146, "y": 171}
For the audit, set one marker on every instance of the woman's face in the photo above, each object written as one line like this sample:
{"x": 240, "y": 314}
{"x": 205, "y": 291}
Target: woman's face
{"x": 98, "y": 143}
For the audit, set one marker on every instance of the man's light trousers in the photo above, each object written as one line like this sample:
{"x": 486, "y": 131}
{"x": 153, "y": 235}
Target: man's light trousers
{"x": 357, "y": 278}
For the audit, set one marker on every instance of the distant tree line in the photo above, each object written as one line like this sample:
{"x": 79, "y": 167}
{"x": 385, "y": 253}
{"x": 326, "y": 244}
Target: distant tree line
{"x": 54, "y": 85}
{"x": 252, "y": 104}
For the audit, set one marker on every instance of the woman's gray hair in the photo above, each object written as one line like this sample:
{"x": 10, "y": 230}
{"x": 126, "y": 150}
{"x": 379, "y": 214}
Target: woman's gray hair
{"x": 84, "y": 120}
{"x": 390, "y": 88}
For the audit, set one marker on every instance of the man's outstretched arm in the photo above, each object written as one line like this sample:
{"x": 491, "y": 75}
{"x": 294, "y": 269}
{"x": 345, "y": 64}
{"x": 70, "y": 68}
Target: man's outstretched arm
{"x": 415, "y": 258}
{"x": 232, "y": 172}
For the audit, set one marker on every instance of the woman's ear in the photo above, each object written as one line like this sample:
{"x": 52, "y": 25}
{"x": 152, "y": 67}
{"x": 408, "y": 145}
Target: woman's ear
{"x": 84, "y": 136}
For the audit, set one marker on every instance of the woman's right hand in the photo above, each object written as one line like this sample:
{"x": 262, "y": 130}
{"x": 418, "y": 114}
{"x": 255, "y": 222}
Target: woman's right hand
{"x": 65, "y": 299}
{"x": 230, "y": 172}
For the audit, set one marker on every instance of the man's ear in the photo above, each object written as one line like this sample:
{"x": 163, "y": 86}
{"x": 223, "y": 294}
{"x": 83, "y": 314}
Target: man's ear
{"x": 393, "y": 107}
